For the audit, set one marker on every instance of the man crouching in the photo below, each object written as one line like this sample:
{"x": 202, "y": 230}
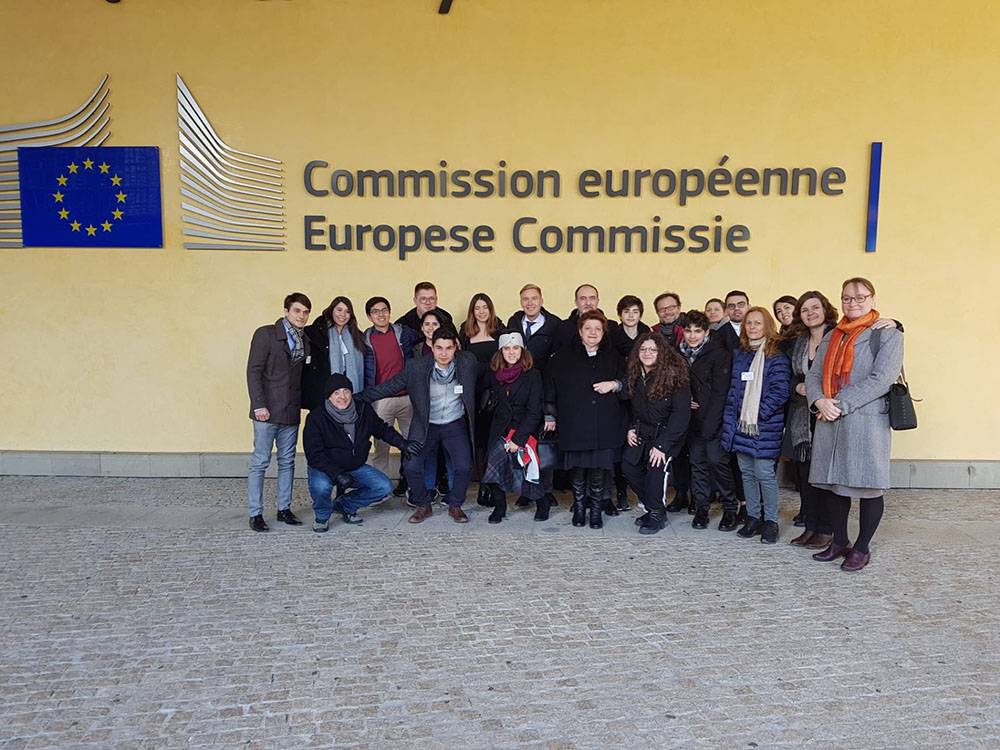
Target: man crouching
{"x": 337, "y": 440}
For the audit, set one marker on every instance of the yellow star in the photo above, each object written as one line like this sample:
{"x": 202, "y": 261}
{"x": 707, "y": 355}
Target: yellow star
{"x": 63, "y": 214}
{"x": 104, "y": 167}
{"x": 76, "y": 226}
{"x": 107, "y": 226}
{"x": 72, "y": 168}
{"x": 117, "y": 214}
{"x": 61, "y": 180}
{"x": 120, "y": 196}
{"x": 91, "y": 230}
{"x": 88, "y": 164}
{"x": 116, "y": 180}
{"x": 58, "y": 196}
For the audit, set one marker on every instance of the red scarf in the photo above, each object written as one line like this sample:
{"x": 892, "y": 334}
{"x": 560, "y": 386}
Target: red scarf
{"x": 840, "y": 352}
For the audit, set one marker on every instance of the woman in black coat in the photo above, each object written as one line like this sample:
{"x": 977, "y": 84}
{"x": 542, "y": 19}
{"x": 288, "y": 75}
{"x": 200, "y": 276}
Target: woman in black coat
{"x": 660, "y": 399}
{"x": 516, "y": 391}
{"x": 584, "y": 391}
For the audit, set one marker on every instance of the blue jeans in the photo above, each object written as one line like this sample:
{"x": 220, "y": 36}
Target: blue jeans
{"x": 266, "y": 435}
{"x": 372, "y": 485}
{"x": 759, "y": 479}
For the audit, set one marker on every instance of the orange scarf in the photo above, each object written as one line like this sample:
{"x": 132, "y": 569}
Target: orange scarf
{"x": 840, "y": 353}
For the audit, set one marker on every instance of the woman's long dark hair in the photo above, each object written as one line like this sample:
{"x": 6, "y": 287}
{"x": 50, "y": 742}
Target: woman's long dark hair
{"x": 471, "y": 326}
{"x": 669, "y": 374}
{"x": 352, "y": 323}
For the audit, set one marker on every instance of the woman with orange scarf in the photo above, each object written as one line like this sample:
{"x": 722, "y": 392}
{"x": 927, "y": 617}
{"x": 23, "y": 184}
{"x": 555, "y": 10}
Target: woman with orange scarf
{"x": 851, "y": 443}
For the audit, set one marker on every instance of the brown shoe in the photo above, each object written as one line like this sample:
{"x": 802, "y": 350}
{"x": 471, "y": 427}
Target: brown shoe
{"x": 833, "y": 552}
{"x": 819, "y": 541}
{"x": 802, "y": 540}
{"x": 422, "y": 513}
{"x": 457, "y": 514}
{"x": 856, "y": 560}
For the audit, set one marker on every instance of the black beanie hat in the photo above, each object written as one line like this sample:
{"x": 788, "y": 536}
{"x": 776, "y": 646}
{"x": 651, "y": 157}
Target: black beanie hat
{"x": 335, "y": 382}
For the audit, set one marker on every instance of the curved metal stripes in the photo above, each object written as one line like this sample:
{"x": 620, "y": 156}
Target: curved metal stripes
{"x": 237, "y": 195}
{"x": 87, "y": 125}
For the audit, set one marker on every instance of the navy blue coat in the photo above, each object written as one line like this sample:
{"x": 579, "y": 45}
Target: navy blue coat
{"x": 771, "y": 415}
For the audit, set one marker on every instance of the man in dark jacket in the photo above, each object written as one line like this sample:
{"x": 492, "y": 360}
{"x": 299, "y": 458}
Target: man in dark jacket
{"x": 442, "y": 390}
{"x": 668, "y": 310}
{"x": 711, "y": 366}
{"x": 274, "y": 380}
{"x": 537, "y": 325}
{"x": 586, "y": 298}
{"x": 425, "y": 299}
{"x": 336, "y": 440}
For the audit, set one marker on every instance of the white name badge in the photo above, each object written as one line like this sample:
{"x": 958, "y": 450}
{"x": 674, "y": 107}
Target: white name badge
{"x": 746, "y": 375}
{"x": 458, "y": 389}
{"x": 309, "y": 359}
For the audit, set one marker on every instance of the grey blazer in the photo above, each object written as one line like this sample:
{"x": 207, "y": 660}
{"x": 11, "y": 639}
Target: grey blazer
{"x": 415, "y": 378}
{"x": 274, "y": 382}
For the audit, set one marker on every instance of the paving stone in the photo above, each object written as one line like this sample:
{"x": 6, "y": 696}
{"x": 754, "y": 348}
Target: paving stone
{"x": 142, "y": 613}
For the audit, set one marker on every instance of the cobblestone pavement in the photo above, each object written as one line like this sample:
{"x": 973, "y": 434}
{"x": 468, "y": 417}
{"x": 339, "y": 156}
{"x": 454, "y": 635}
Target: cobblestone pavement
{"x": 143, "y": 613}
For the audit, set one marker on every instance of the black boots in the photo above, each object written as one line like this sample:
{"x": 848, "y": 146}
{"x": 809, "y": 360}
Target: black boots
{"x": 578, "y": 477}
{"x": 654, "y": 522}
{"x": 499, "y": 503}
{"x": 595, "y": 490}
{"x": 485, "y": 497}
{"x": 679, "y": 503}
{"x": 542, "y": 509}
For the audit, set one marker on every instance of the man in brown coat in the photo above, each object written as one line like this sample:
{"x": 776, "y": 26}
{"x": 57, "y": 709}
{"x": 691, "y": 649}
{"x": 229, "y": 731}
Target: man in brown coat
{"x": 274, "y": 377}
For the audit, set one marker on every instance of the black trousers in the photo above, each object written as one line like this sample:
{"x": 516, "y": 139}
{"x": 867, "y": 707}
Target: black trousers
{"x": 734, "y": 468}
{"x": 815, "y": 510}
{"x": 647, "y": 482}
{"x": 680, "y": 473}
{"x": 710, "y": 469}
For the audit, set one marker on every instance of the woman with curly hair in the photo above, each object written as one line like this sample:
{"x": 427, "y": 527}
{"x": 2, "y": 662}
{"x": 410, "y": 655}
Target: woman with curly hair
{"x": 755, "y": 418}
{"x": 584, "y": 390}
{"x": 660, "y": 399}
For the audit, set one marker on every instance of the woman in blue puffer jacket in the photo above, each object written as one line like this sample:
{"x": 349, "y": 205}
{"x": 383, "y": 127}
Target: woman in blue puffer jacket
{"x": 754, "y": 418}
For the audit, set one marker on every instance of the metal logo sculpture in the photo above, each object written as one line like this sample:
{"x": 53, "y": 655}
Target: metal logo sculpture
{"x": 87, "y": 125}
{"x": 232, "y": 200}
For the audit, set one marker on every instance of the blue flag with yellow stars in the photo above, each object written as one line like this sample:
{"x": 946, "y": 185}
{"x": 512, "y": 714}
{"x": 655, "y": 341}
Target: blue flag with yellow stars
{"x": 90, "y": 196}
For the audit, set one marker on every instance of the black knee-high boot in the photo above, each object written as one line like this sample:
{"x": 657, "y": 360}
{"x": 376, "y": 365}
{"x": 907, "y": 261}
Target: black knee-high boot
{"x": 499, "y": 504}
{"x": 578, "y": 477}
{"x": 595, "y": 492}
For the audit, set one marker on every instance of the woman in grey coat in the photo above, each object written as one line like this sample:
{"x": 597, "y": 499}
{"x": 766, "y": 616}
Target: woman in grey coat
{"x": 845, "y": 387}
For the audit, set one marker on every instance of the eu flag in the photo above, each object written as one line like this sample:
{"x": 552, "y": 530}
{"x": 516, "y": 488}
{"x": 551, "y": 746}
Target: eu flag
{"x": 90, "y": 196}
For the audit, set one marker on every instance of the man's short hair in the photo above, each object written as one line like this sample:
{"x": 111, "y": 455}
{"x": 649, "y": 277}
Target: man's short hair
{"x": 424, "y": 285}
{"x": 659, "y": 297}
{"x": 526, "y": 287}
{"x": 577, "y": 292}
{"x": 299, "y": 297}
{"x": 697, "y": 319}
{"x": 738, "y": 293}
{"x": 629, "y": 300}
{"x": 445, "y": 332}
{"x": 374, "y": 301}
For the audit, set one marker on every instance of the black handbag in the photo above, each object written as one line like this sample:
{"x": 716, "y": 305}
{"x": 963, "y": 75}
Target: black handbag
{"x": 548, "y": 449}
{"x": 902, "y": 415}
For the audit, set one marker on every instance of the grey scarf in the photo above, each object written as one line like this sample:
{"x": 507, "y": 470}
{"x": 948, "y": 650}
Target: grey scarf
{"x": 346, "y": 418}
{"x": 299, "y": 350}
{"x": 443, "y": 376}
{"x": 719, "y": 324}
{"x": 345, "y": 357}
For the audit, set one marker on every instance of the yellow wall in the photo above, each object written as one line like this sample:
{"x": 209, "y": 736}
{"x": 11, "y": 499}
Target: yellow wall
{"x": 144, "y": 350}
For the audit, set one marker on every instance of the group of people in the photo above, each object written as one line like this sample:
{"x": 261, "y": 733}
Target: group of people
{"x": 706, "y": 400}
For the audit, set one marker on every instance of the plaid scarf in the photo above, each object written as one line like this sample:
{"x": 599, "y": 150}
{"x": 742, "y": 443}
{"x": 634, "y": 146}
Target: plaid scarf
{"x": 298, "y": 351}
{"x": 692, "y": 354}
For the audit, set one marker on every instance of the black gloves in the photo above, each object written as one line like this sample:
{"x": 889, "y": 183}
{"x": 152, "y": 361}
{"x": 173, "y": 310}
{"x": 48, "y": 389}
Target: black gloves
{"x": 345, "y": 481}
{"x": 412, "y": 449}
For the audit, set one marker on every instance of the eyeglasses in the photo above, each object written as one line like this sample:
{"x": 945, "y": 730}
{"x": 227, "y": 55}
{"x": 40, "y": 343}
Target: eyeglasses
{"x": 860, "y": 299}
{"x": 735, "y": 304}
{"x": 647, "y": 350}
{"x": 379, "y": 311}
{"x": 668, "y": 307}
